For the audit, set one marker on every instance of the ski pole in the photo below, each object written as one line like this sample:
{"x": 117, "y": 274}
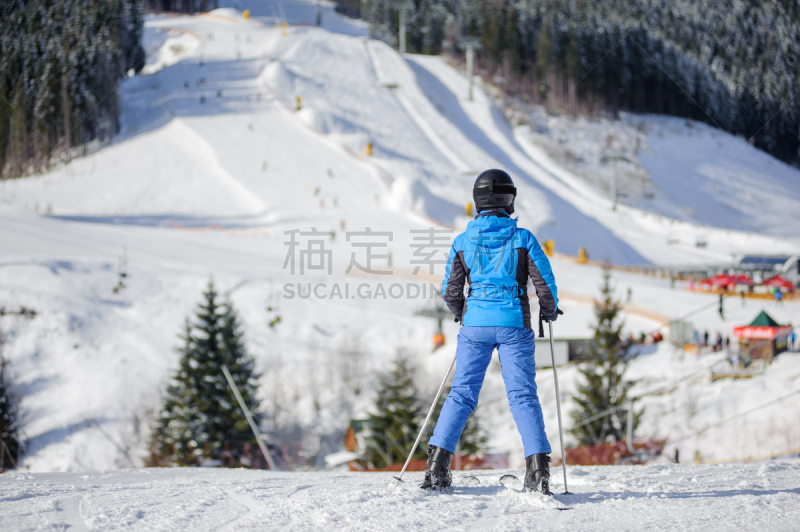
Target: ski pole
{"x": 558, "y": 409}
{"x": 425, "y": 424}
{"x": 249, "y": 418}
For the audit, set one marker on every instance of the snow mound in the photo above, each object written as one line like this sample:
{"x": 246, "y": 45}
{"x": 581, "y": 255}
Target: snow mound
{"x": 177, "y": 47}
{"x": 227, "y": 13}
{"x": 408, "y": 193}
{"x": 172, "y": 171}
{"x": 278, "y": 78}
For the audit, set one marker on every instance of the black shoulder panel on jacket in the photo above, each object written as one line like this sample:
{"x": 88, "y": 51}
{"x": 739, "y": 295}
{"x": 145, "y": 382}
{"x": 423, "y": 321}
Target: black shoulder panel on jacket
{"x": 522, "y": 283}
{"x": 547, "y": 304}
{"x": 454, "y": 295}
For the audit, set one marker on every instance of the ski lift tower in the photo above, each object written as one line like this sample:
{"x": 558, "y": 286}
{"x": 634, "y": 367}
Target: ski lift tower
{"x": 439, "y": 313}
{"x": 472, "y": 45}
{"x": 403, "y": 8}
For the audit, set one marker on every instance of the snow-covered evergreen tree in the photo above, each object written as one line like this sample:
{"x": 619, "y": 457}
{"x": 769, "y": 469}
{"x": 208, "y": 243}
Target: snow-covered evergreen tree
{"x": 182, "y": 6}
{"x": 394, "y": 425}
{"x": 200, "y": 411}
{"x": 10, "y": 443}
{"x": 602, "y": 386}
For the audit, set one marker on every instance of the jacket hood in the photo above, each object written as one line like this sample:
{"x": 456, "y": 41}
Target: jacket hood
{"x": 491, "y": 232}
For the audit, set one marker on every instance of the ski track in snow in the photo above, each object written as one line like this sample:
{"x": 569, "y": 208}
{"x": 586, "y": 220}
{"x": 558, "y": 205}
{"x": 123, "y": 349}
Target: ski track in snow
{"x": 712, "y": 497}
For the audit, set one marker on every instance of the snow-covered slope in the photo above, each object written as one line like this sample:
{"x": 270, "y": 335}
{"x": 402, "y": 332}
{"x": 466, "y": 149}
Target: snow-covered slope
{"x": 730, "y": 497}
{"x": 650, "y": 234}
{"x": 678, "y": 168}
{"x": 741, "y": 187}
{"x": 214, "y": 165}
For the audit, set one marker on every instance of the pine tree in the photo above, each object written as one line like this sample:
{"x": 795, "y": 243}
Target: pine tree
{"x": 10, "y": 444}
{"x": 18, "y": 126}
{"x": 396, "y": 422}
{"x": 603, "y": 387}
{"x": 200, "y": 407}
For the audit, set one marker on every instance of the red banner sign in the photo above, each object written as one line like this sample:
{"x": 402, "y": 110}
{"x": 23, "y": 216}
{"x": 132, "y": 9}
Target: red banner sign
{"x": 761, "y": 333}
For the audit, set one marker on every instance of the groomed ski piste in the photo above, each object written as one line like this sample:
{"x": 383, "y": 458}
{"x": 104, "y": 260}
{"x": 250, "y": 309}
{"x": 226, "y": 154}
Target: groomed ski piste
{"x": 214, "y": 164}
{"x": 722, "y": 497}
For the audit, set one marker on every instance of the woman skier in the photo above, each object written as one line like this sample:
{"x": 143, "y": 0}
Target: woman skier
{"x": 496, "y": 258}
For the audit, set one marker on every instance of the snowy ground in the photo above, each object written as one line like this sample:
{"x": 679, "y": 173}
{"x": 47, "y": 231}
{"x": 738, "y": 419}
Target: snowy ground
{"x": 214, "y": 164}
{"x": 762, "y": 496}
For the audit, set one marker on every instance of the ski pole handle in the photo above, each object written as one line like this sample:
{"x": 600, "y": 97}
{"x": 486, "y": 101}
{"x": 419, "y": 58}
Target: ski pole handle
{"x": 542, "y": 320}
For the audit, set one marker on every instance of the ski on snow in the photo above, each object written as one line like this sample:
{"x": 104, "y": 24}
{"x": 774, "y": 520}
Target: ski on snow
{"x": 513, "y": 482}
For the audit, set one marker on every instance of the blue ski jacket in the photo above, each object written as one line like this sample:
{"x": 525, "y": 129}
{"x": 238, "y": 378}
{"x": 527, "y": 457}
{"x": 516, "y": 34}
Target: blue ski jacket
{"x": 497, "y": 258}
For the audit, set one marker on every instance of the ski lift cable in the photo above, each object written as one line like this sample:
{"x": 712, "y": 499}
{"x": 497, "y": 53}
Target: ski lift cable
{"x": 681, "y": 318}
{"x": 673, "y": 383}
{"x": 659, "y": 391}
{"x": 692, "y": 374}
{"x": 646, "y": 394}
{"x": 604, "y": 413}
{"x": 692, "y": 313}
{"x": 737, "y": 416}
{"x": 380, "y": 451}
{"x": 731, "y": 390}
{"x": 94, "y": 422}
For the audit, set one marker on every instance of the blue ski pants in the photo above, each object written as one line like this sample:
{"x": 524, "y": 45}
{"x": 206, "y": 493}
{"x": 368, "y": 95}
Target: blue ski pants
{"x": 515, "y": 347}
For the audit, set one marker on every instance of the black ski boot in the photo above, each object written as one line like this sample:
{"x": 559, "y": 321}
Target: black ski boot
{"x": 537, "y": 473}
{"x": 437, "y": 476}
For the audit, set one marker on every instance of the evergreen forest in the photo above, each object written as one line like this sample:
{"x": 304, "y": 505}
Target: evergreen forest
{"x": 61, "y": 63}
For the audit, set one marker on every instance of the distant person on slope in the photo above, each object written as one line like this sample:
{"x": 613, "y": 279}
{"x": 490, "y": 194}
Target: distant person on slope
{"x": 496, "y": 258}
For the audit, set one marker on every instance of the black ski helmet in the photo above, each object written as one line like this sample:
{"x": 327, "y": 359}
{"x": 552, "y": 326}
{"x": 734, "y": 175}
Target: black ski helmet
{"x": 494, "y": 188}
